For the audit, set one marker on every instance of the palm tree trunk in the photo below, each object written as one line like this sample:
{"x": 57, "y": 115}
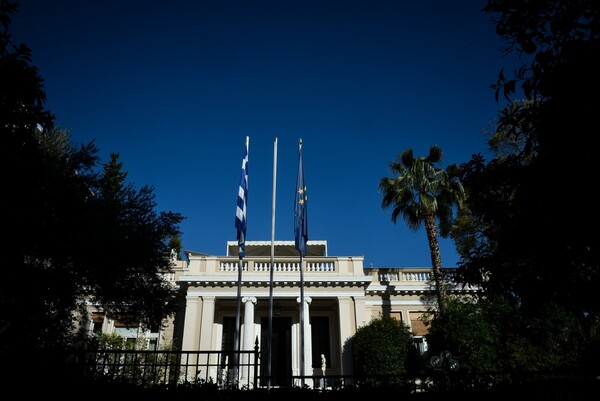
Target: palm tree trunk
{"x": 436, "y": 262}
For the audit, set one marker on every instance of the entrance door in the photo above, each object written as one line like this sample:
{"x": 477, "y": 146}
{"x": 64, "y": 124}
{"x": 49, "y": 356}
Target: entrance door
{"x": 281, "y": 354}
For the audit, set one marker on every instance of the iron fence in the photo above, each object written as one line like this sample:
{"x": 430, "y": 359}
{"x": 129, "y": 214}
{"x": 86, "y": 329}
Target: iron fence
{"x": 159, "y": 368}
{"x": 242, "y": 370}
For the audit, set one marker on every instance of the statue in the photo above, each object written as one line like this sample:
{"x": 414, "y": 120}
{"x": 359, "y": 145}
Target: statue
{"x": 323, "y": 364}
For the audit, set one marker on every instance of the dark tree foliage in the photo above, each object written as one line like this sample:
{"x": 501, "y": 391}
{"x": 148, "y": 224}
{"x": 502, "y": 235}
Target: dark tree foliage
{"x": 70, "y": 233}
{"x": 384, "y": 347}
{"x": 131, "y": 241}
{"x": 530, "y": 233}
{"x": 491, "y": 336}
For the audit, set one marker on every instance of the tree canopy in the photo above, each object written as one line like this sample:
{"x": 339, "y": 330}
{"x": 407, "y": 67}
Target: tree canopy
{"x": 423, "y": 193}
{"x": 529, "y": 236}
{"x": 76, "y": 231}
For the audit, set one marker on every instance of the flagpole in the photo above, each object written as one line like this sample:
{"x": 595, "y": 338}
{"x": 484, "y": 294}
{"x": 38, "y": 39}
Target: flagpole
{"x": 301, "y": 239}
{"x": 270, "y": 340}
{"x": 237, "y": 338}
{"x": 240, "y": 224}
{"x": 302, "y": 356}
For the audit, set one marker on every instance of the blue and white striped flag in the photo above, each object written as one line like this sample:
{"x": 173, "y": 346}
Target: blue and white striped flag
{"x": 242, "y": 201}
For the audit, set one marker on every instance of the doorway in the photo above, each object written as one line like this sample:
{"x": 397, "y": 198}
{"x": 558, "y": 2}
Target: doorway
{"x": 281, "y": 350}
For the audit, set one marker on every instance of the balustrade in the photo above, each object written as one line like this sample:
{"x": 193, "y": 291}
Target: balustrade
{"x": 259, "y": 266}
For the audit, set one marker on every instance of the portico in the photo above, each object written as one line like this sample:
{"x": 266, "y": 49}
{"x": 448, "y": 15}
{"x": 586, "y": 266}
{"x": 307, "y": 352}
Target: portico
{"x": 334, "y": 303}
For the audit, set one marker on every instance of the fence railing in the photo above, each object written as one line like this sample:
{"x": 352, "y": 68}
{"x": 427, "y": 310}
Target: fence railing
{"x": 173, "y": 368}
{"x": 160, "y": 368}
{"x": 242, "y": 369}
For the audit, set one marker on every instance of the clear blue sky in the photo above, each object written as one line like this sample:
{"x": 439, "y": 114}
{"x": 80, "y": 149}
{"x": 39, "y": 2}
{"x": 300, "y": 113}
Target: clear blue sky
{"x": 175, "y": 87}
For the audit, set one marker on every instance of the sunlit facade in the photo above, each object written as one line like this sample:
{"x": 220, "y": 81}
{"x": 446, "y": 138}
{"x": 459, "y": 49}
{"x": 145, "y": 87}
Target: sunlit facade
{"x": 339, "y": 295}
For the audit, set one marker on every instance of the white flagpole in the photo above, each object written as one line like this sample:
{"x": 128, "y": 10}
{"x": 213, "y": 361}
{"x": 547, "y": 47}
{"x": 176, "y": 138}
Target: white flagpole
{"x": 270, "y": 344}
{"x": 242, "y": 244}
{"x": 302, "y": 339}
{"x": 237, "y": 338}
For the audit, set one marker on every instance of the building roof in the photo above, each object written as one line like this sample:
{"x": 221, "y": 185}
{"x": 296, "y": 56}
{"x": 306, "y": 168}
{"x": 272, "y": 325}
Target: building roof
{"x": 280, "y": 248}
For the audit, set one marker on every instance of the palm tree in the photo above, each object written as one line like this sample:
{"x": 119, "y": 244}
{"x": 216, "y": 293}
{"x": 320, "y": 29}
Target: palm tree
{"x": 422, "y": 192}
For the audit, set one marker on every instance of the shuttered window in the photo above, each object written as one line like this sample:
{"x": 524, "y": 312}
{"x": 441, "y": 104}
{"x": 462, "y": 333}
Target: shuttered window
{"x": 417, "y": 322}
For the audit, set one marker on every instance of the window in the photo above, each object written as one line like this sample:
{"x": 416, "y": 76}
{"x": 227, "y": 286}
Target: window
{"x": 152, "y": 344}
{"x": 421, "y": 344}
{"x": 125, "y": 330}
{"x": 396, "y": 315}
{"x": 97, "y": 322}
{"x": 417, "y": 322}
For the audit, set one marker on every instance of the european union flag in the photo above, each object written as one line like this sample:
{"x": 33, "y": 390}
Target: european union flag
{"x": 240, "y": 211}
{"x": 300, "y": 207}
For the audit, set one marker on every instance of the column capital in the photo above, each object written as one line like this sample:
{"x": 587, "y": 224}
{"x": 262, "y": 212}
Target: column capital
{"x": 307, "y": 300}
{"x": 251, "y": 299}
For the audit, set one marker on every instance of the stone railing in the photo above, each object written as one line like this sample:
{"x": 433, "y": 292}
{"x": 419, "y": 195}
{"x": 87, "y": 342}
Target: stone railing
{"x": 336, "y": 266}
{"x": 400, "y": 275}
{"x": 403, "y": 275}
{"x": 279, "y": 266}
{"x": 265, "y": 266}
{"x": 406, "y": 275}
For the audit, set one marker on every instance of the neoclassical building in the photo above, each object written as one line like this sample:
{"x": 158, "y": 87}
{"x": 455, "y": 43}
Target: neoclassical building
{"x": 306, "y": 317}
{"x": 339, "y": 295}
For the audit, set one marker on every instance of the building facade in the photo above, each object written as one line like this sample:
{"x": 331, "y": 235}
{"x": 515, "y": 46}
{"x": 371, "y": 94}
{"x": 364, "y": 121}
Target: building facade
{"x": 303, "y": 310}
{"x": 313, "y": 306}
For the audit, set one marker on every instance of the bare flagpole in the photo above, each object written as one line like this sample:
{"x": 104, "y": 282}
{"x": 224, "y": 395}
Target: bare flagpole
{"x": 270, "y": 347}
{"x": 240, "y": 224}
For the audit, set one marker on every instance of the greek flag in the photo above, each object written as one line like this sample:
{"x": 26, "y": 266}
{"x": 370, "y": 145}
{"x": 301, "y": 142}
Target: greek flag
{"x": 242, "y": 200}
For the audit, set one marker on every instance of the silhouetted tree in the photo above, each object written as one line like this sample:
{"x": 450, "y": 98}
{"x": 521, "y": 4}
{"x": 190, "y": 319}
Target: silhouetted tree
{"x": 530, "y": 234}
{"x": 71, "y": 234}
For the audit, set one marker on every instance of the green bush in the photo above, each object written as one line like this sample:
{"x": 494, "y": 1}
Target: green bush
{"x": 384, "y": 347}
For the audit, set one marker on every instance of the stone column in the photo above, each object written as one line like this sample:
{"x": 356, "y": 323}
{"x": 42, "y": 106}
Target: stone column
{"x": 348, "y": 326}
{"x": 307, "y": 337}
{"x": 248, "y": 343}
{"x": 206, "y": 330}
{"x": 249, "y": 303}
{"x": 191, "y": 331}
